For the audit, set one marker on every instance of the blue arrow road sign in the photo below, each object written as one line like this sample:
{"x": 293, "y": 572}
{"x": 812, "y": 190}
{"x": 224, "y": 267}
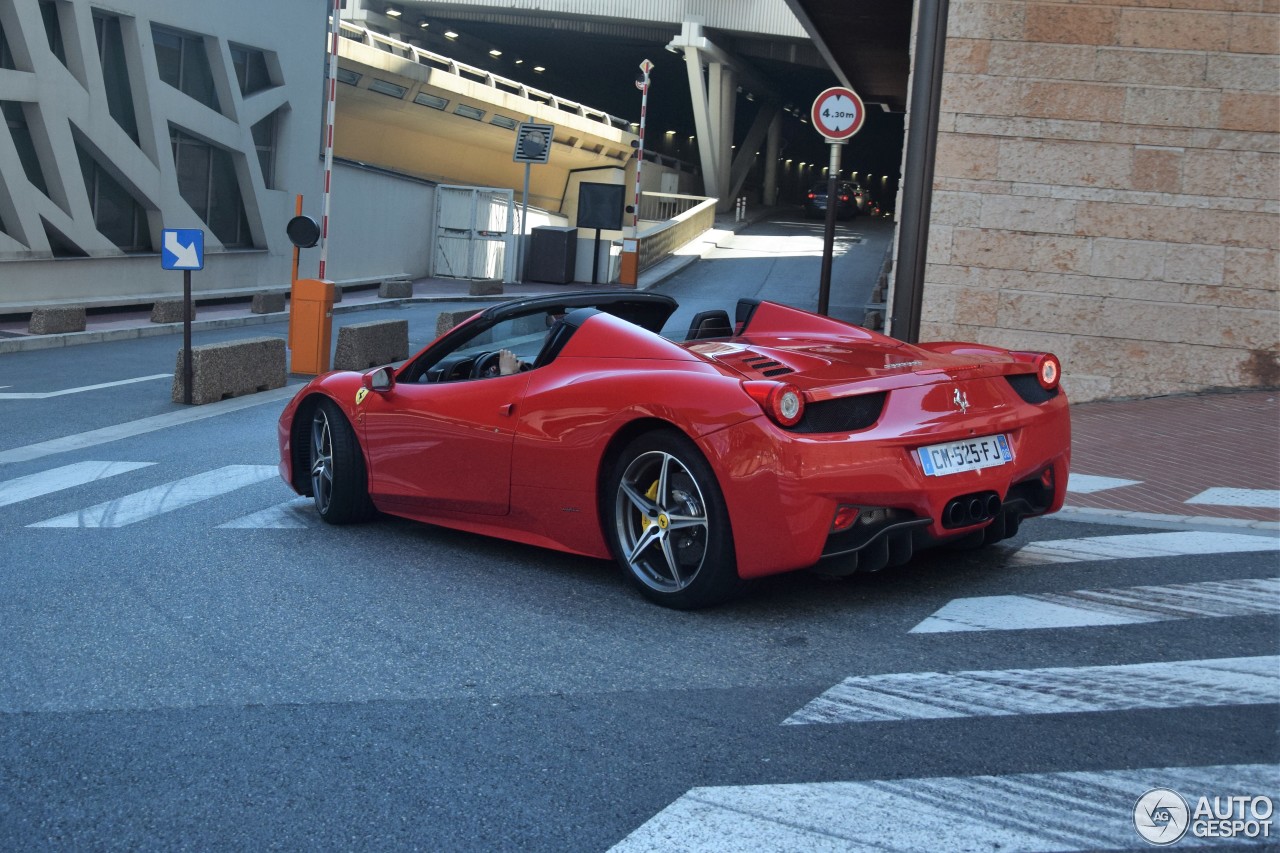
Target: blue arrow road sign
{"x": 183, "y": 249}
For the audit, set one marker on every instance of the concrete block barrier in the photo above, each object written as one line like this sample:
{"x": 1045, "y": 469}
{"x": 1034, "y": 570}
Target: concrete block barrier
{"x": 267, "y": 303}
{"x": 448, "y": 319}
{"x": 396, "y": 288}
{"x": 485, "y": 287}
{"x": 170, "y": 311}
{"x": 231, "y": 369}
{"x": 365, "y": 345}
{"x": 55, "y": 321}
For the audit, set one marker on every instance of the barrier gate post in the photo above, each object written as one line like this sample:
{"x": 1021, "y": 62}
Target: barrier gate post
{"x": 310, "y": 326}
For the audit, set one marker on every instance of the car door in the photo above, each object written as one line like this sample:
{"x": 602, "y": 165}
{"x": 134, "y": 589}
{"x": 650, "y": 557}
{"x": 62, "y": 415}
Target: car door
{"x": 442, "y": 446}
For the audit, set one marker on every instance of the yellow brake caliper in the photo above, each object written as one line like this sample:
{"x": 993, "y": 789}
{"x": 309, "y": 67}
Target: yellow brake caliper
{"x": 652, "y": 495}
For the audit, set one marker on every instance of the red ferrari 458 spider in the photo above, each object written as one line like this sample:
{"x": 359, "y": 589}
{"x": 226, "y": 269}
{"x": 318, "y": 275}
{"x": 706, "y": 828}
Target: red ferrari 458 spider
{"x": 776, "y": 441}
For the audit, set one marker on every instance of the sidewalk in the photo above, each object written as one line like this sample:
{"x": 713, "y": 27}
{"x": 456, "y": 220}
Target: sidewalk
{"x": 1193, "y": 459}
{"x": 1208, "y": 459}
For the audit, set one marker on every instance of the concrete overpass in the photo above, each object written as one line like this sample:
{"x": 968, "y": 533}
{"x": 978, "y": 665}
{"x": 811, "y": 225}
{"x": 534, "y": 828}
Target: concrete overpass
{"x": 735, "y": 57}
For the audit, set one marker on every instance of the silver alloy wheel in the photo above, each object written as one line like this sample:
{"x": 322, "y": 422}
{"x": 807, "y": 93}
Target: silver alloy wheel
{"x": 662, "y": 522}
{"x": 321, "y": 460}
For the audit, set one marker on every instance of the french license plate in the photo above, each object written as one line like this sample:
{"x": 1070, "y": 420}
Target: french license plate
{"x": 973, "y": 454}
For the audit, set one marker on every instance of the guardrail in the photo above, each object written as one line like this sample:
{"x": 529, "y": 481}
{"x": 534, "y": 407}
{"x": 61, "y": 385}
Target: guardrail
{"x": 422, "y": 56}
{"x": 686, "y": 217}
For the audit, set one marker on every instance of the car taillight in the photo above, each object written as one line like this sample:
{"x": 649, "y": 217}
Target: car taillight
{"x": 844, "y": 198}
{"x": 1048, "y": 371}
{"x": 781, "y": 401}
{"x": 812, "y": 196}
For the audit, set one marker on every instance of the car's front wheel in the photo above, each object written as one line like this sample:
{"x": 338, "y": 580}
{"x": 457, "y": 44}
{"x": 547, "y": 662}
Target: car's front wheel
{"x": 667, "y": 523}
{"x": 339, "y": 483}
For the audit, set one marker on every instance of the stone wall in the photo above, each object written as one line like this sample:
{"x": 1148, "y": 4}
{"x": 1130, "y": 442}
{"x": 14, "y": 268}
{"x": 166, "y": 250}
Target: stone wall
{"x": 1107, "y": 188}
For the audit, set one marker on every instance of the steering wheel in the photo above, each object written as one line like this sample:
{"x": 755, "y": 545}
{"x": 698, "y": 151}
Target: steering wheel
{"x": 486, "y": 365}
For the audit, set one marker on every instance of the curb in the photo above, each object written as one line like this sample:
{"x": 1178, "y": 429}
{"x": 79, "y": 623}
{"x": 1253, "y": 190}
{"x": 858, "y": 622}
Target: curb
{"x": 1129, "y": 518}
{"x": 69, "y": 339}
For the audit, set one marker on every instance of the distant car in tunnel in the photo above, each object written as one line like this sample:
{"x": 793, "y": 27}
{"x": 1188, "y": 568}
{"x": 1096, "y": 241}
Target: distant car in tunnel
{"x": 815, "y": 201}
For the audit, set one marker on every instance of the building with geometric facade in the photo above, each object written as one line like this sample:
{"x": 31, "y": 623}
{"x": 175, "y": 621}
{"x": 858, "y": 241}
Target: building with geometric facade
{"x": 129, "y": 117}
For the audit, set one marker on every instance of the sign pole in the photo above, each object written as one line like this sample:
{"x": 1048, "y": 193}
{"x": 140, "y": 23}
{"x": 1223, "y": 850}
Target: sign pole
{"x": 335, "y": 28}
{"x": 533, "y": 145}
{"x": 297, "y": 211}
{"x": 187, "y": 371}
{"x": 524, "y": 217}
{"x": 829, "y": 233}
{"x": 183, "y": 249}
{"x": 645, "y": 67}
{"x": 837, "y": 114}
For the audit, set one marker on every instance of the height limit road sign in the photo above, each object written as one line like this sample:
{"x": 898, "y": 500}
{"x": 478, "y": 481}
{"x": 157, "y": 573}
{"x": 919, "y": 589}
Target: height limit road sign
{"x": 533, "y": 142}
{"x": 838, "y": 113}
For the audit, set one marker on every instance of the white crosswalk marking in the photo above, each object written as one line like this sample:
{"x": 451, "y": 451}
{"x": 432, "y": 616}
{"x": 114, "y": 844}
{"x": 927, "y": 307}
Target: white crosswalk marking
{"x": 166, "y": 498}
{"x": 116, "y": 432}
{"x": 1264, "y": 498}
{"x": 1131, "y": 546}
{"x": 1127, "y": 606}
{"x": 1057, "y": 690}
{"x": 55, "y": 480}
{"x": 1083, "y": 484}
{"x": 1023, "y": 812}
{"x": 295, "y": 514}
{"x": 44, "y": 395}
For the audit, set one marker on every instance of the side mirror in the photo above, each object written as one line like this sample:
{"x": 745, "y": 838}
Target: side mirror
{"x": 381, "y": 379}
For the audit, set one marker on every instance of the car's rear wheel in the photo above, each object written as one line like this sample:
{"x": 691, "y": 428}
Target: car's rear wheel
{"x": 667, "y": 523}
{"x": 339, "y": 483}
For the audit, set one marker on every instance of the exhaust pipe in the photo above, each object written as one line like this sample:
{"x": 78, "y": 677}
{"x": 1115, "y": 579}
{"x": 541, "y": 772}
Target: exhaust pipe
{"x": 968, "y": 510}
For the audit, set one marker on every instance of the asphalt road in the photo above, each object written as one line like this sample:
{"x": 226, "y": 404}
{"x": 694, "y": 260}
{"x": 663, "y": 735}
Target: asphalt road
{"x": 224, "y": 671}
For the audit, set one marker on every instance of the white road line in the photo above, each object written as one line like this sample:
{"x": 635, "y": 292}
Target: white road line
{"x": 1057, "y": 690}
{"x": 55, "y": 480}
{"x": 1083, "y": 484}
{"x": 291, "y": 515}
{"x": 1125, "y": 606}
{"x": 1013, "y": 814}
{"x": 1134, "y": 545}
{"x": 1264, "y": 498}
{"x": 95, "y": 437}
{"x": 166, "y": 498}
{"x": 42, "y": 395}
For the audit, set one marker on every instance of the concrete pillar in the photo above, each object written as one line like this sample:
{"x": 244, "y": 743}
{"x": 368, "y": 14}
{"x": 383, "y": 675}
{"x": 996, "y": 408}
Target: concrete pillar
{"x": 771, "y": 152}
{"x": 723, "y": 109}
{"x": 707, "y": 150}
